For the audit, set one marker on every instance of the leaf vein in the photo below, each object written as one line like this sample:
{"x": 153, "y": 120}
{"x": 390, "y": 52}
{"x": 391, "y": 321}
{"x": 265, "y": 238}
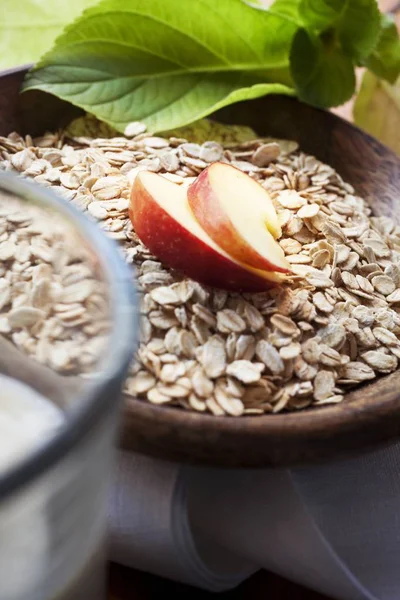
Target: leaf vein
{"x": 189, "y": 36}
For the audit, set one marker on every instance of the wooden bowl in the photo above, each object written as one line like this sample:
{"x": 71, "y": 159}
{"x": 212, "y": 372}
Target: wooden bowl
{"x": 368, "y": 416}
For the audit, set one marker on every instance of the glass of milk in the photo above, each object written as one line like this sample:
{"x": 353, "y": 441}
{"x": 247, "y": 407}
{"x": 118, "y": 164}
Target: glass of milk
{"x": 67, "y": 335}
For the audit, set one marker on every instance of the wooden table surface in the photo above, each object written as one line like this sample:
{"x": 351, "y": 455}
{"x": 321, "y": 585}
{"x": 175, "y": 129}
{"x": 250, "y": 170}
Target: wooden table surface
{"x": 126, "y": 584}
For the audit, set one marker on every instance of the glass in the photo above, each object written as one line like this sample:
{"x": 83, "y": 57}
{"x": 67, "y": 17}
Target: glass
{"x": 67, "y": 335}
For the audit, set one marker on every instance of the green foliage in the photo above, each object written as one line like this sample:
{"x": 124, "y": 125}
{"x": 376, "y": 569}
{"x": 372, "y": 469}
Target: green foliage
{"x": 169, "y": 63}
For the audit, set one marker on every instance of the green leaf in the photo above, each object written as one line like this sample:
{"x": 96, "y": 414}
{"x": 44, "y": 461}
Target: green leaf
{"x": 356, "y": 22}
{"x": 28, "y": 28}
{"x": 166, "y": 62}
{"x": 163, "y": 102}
{"x": 377, "y": 110}
{"x": 288, "y": 9}
{"x": 321, "y": 14}
{"x": 324, "y": 75}
{"x": 385, "y": 59}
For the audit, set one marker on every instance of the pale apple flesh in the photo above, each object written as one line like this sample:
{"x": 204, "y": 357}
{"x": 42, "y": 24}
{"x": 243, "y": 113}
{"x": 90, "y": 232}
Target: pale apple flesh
{"x": 238, "y": 214}
{"x": 162, "y": 219}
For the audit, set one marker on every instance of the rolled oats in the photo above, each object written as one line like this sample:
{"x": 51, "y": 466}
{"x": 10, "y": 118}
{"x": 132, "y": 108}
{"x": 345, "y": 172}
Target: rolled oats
{"x": 324, "y": 384}
{"x": 171, "y": 372}
{"x": 245, "y": 347}
{"x": 165, "y": 296}
{"x": 303, "y": 370}
{"x": 180, "y": 389}
{"x": 329, "y": 356}
{"x": 202, "y": 385}
{"x": 321, "y": 303}
{"x": 253, "y": 317}
{"x": 383, "y": 284}
{"x": 284, "y": 324}
{"x": 141, "y": 383}
{"x": 336, "y": 323}
{"x": 230, "y": 404}
{"x": 197, "y": 404}
{"x": 211, "y": 152}
{"x": 385, "y": 337}
{"x": 24, "y": 316}
{"x": 155, "y": 396}
{"x": 384, "y": 363}
{"x": 245, "y": 371}
{"x": 289, "y": 352}
{"x": 308, "y": 211}
{"x": 213, "y": 357}
{"x": 336, "y": 399}
{"x": 229, "y": 321}
{"x": 265, "y": 154}
{"x": 319, "y": 280}
{"x": 394, "y": 297}
{"x": 357, "y": 371}
{"x": 290, "y": 246}
{"x": 214, "y": 408}
{"x": 45, "y": 318}
{"x": 291, "y": 199}
{"x": 333, "y": 335}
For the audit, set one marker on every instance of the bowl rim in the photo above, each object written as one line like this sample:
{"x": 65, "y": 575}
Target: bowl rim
{"x": 281, "y": 440}
{"x": 307, "y": 429}
{"x": 372, "y": 423}
{"x": 96, "y": 398}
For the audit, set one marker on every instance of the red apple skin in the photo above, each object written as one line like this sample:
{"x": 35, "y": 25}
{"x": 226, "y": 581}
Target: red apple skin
{"x": 216, "y": 223}
{"x": 172, "y": 243}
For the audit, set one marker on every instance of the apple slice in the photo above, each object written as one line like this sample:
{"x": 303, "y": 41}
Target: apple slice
{"x": 238, "y": 214}
{"x": 162, "y": 219}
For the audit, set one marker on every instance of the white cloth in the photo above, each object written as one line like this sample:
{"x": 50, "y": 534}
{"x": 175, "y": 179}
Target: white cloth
{"x": 150, "y": 529}
{"x": 332, "y": 527}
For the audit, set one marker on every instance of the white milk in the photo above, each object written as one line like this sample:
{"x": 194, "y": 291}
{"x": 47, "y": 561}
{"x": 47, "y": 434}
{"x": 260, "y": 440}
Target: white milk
{"x": 27, "y": 420}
